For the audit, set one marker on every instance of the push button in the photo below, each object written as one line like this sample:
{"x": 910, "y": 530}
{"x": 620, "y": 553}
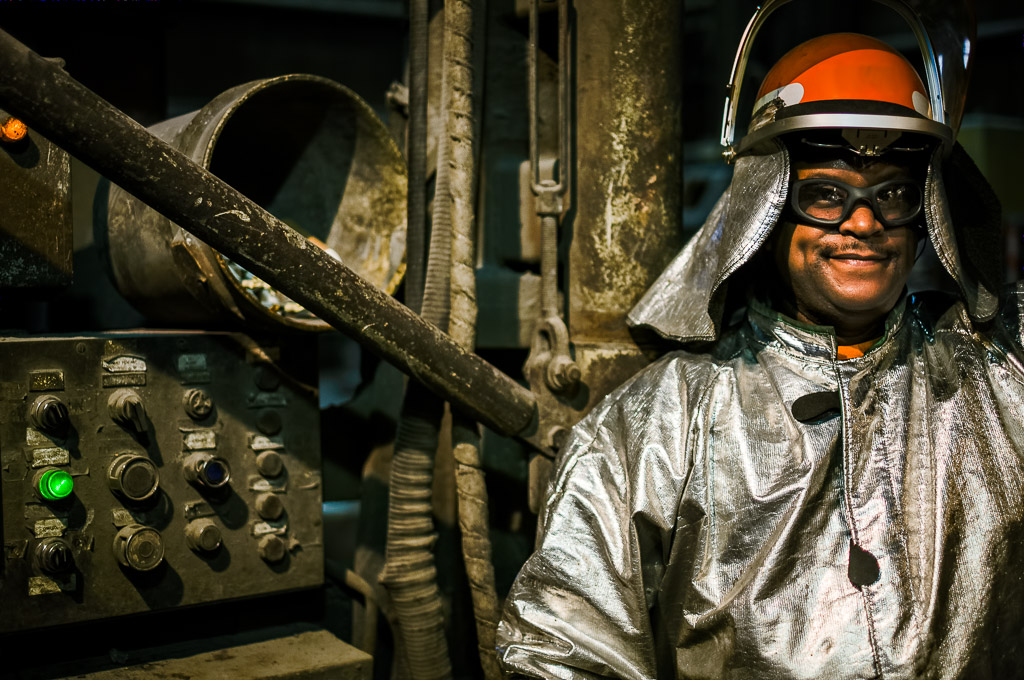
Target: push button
{"x": 139, "y": 547}
{"x": 269, "y": 506}
{"x": 202, "y": 535}
{"x": 133, "y": 476}
{"x": 271, "y": 548}
{"x": 211, "y": 472}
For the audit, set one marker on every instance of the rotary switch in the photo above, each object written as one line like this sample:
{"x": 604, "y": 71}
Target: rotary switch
{"x": 49, "y": 414}
{"x": 54, "y": 556}
{"x": 202, "y": 535}
{"x": 139, "y": 547}
{"x": 205, "y": 470}
{"x": 133, "y": 476}
{"x": 126, "y": 409}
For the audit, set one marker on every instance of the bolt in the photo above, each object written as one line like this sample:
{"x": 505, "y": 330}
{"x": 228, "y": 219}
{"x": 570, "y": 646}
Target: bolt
{"x": 557, "y": 436}
{"x": 563, "y": 374}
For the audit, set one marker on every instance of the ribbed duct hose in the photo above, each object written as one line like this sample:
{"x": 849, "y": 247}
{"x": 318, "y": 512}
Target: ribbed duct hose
{"x": 410, "y": 574}
{"x": 469, "y": 476}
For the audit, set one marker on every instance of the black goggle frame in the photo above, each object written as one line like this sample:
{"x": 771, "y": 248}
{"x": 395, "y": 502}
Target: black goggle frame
{"x": 854, "y": 195}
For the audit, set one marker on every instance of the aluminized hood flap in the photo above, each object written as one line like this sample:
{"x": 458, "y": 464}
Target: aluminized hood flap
{"x": 687, "y": 300}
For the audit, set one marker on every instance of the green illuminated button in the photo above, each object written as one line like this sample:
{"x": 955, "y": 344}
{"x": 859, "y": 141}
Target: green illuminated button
{"x": 55, "y": 484}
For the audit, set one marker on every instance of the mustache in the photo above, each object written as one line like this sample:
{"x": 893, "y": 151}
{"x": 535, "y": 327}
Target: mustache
{"x": 857, "y": 250}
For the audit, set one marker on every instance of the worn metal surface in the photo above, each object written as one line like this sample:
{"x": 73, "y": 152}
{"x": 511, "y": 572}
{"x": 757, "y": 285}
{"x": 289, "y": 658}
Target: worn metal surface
{"x": 308, "y": 150}
{"x": 35, "y": 213}
{"x": 116, "y": 146}
{"x": 249, "y": 385}
{"x": 313, "y": 655}
{"x": 627, "y": 223}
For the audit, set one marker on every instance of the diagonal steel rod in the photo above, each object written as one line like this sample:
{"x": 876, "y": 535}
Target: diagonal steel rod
{"x": 97, "y": 133}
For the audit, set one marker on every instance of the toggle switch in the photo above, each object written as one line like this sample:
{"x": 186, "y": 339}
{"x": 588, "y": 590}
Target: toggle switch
{"x": 54, "y": 556}
{"x": 127, "y": 410}
{"x": 49, "y": 414}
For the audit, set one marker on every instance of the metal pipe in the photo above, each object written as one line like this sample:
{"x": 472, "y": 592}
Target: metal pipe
{"x": 90, "y": 128}
{"x": 416, "y": 151}
{"x": 469, "y": 474}
{"x": 628, "y": 219}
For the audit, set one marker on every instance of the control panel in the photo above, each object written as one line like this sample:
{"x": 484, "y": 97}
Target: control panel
{"x": 151, "y": 470}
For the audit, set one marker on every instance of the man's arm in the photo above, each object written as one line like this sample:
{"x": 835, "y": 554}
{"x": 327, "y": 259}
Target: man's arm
{"x": 580, "y": 607}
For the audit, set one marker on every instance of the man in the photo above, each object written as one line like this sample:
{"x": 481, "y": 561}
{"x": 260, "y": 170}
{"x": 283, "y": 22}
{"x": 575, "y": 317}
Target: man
{"x": 834, "y": 487}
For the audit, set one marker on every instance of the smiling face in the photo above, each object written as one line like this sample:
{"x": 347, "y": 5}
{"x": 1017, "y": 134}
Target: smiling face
{"x": 848, "y": 276}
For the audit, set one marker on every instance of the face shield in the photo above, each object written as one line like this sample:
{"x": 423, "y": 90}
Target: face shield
{"x": 944, "y": 31}
{"x": 689, "y": 301}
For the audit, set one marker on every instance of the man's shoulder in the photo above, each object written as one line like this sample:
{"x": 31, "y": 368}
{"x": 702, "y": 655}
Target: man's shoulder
{"x": 691, "y": 366}
{"x": 938, "y": 311}
{"x": 678, "y": 376}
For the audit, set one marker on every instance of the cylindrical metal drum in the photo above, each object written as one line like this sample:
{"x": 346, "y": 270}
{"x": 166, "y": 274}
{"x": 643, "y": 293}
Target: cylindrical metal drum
{"x": 308, "y": 150}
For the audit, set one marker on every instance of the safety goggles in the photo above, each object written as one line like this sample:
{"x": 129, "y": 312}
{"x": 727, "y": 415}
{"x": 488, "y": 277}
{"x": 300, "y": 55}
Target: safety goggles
{"x": 829, "y": 203}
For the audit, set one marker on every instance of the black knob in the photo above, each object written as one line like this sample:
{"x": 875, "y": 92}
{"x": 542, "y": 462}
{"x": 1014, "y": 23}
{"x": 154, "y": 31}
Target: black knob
{"x": 207, "y": 470}
{"x": 133, "y": 476}
{"x": 139, "y": 547}
{"x": 202, "y": 535}
{"x": 126, "y": 409}
{"x": 54, "y": 556}
{"x": 49, "y": 414}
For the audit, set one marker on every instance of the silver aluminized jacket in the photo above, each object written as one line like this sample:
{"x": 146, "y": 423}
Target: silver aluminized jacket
{"x": 696, "y": 528}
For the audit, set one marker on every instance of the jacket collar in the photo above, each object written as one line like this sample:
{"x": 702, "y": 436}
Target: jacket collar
{"x": 773, "y": 328}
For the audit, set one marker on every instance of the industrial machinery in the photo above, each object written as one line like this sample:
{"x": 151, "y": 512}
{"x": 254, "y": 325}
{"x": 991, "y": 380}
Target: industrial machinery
{"x": 196, "y": 469}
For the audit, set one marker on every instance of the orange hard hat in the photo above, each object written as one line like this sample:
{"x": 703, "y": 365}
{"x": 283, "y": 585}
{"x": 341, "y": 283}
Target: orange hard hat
{"x": 848, "y": 82}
